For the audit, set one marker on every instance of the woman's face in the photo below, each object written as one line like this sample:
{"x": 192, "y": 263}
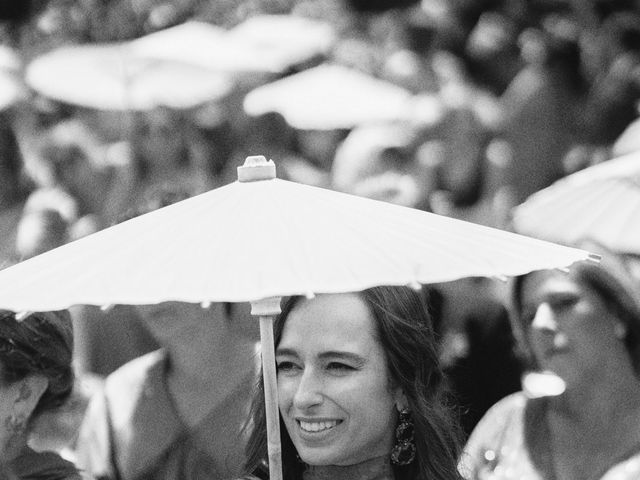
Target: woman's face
{"x": 334, "y": 388}
{"x": 569, "y": 327}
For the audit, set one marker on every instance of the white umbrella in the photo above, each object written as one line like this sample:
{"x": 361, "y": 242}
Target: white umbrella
{"x": 114, "y": 77}
{"x": 12, "y": 88}
{"x": 262, "y": 238}
{"x": 330, "y": 97}
{"x": 252, "y": 240}
{"x": 288, "y": 40}
{"x": 191, "y": 41}
{"x": 265, "y": 44}
{"x": 600, "y": 202}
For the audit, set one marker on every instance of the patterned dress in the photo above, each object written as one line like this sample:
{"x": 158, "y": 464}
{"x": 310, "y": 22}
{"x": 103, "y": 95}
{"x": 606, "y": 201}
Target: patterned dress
{"x": 500, "y": 447}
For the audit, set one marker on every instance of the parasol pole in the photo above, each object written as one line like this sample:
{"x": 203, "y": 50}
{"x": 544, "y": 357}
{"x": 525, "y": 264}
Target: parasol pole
{"x": 267, "y": 309}
{"x": 255, "y": 169}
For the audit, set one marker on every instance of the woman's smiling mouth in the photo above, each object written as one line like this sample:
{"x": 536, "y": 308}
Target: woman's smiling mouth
{"x": 317, "y": 426}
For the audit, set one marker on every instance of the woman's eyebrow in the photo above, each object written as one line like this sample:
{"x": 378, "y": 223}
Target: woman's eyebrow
{"x": 337, "y": 354}
{"x": 288, "y": 352}
{"x": 330, "y": 354}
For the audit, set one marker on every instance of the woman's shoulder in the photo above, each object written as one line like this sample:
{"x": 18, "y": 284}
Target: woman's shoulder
{"x": 502, "y": 415}
{"x": 502, "y": 425}
{"x": 506, "y": 407}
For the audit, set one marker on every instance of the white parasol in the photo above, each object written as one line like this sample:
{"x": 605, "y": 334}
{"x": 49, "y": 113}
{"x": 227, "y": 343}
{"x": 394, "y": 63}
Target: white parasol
{"x": 600, "y": 202}
{"x": 12, "y": 88}
{"x": 330, "y": 97}
{"x": 262, "y": 238}
{"x": 287, "y": 40}
{"x": 114, "y": 77}
{"x": 264, "y": 44}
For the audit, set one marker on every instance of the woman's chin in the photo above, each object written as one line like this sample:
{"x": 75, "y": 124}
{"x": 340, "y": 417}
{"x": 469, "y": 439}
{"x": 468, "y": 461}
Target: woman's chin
{"x": 317, "y": 457}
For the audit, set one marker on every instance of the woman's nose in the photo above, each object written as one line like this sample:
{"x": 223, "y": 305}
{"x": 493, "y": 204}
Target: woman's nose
{"x": 308, "y": 393}
{"x": 544, "y": 319}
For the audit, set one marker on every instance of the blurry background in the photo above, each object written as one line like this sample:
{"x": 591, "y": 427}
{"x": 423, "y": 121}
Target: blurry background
{"x": 464, "y": 108}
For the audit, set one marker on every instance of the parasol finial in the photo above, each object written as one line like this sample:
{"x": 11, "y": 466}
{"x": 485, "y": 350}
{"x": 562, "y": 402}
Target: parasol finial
{"x": 255, "y": 168}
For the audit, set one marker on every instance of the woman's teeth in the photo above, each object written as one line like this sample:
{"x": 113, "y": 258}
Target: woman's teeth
{"x": 317, "y": 426}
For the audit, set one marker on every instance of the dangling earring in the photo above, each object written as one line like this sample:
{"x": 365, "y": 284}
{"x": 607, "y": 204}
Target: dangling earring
{"x": 404, "y": 451}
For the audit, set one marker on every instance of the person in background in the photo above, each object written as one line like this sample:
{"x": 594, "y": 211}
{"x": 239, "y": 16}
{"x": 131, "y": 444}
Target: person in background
{"x": 176, "y": 412}
{"x": 360, "y": 391}
{"x": 36, "y": 377}
{"x": 541, "y": 106}
{"x": 40, "y": 231}
{"x": 583, "y": 327}
{"x": 478, "y": 353}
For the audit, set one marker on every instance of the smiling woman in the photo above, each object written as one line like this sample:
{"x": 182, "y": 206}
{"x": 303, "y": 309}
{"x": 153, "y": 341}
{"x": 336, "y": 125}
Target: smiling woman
{"x": 360, "y": 391}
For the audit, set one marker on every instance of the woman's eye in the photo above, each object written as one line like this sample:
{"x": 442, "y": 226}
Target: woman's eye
{"x": 555, "y": 303}
{"x": 286, "y": 366}
{"x": 339, "y": 367}
{"x": 563, "y": 302}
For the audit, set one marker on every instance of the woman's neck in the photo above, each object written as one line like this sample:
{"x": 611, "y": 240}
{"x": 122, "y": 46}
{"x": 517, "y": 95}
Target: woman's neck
{"x": 589, "y": 432}
{"x": 378, "y": 468}
{"x": 604, "y": 399}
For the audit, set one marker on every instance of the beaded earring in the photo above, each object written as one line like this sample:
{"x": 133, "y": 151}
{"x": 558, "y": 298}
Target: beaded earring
{"x": 404, "y": 450}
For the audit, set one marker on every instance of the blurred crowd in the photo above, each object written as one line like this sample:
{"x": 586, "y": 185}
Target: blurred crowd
{"x": 502, "y": 98}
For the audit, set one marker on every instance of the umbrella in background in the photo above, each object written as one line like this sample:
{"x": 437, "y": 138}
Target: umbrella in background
{"x": 601, "y": 202}
{"x": 288, "y": 40}
{"x": 191, "y": 41}
{"x": 114, "y": 77}
{"x": 262, "y": 238}
{"x": 629, "y": 139}
{"x": 12, "y": 88}
{"x": 330, "y": 97}
{"x": 265, "y": 44}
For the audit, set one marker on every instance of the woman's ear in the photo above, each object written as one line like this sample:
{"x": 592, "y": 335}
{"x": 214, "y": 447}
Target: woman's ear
{"x": 28, "y": 393}
{"x": 401, "y": 400}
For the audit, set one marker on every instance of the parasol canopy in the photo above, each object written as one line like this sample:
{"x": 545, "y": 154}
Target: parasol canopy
{"x": 262, "y": 238}
{"x": 12, "y": 89}
{"x": 288, "y": 40}
{"x": 191, "y": 42}
{"x": 330, "y": 97}
{"x": 251, "y": 240}
{"x": 601, "y": 203}
{"x": 114, "y": 77}
{"x": 265, "y": 44}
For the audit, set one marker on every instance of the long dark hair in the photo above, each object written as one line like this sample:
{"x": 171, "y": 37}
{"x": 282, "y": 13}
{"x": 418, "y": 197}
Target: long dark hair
{"x": 404, "y": 330}
{"x": 41, "y": 344}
